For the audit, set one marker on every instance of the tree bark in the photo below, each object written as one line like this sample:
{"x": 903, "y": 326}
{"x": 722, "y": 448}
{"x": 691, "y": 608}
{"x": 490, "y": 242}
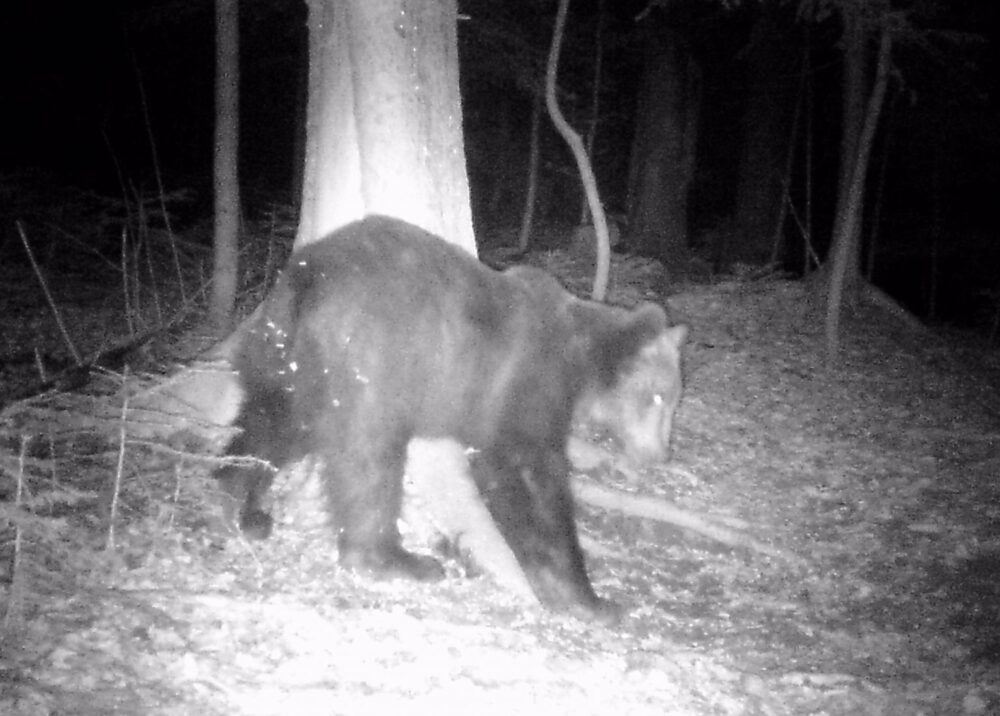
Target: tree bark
{"x": 384, "y": 121}
{"x": 853, "y": 117}
{"x": 595, "y": 100}
{"x": 528, "y": 215}
{"x": 383, "y": 135}
{"x": 603, "y": 254}
{"x": 663, "y": 152}
{"x": 844, "y": 251}
{"x": 225, "y": 269}
{"x": 767, "y": 127}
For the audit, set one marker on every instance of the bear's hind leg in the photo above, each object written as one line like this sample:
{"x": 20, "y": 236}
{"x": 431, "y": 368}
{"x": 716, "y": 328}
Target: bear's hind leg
{"x": 530, "y": 500}
{"x": 263, "y": 420}
{"x": 365, "y": 492}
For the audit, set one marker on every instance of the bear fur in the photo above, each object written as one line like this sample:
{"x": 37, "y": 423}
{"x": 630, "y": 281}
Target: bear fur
{"x": 382, "y": 332}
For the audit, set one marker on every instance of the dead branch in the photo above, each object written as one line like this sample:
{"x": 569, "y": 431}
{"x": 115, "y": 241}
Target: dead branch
{"x": 48, "y": 296}
{"x": 609, "y": 498}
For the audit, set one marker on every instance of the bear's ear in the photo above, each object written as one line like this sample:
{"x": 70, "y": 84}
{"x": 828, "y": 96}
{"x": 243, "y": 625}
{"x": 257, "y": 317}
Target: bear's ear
{"x": 615, "y": 337}
{"x": 649, "y": 317}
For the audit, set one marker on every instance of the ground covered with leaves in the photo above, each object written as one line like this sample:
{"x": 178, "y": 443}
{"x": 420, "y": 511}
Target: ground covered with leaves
{"x": 872, "y": 483}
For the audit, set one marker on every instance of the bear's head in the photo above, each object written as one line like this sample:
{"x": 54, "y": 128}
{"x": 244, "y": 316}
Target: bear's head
{"x": 638, "y": 385}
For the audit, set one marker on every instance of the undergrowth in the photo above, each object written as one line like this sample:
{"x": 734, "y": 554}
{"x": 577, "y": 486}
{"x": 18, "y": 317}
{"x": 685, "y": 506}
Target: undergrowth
{"x": 109, "y": 300}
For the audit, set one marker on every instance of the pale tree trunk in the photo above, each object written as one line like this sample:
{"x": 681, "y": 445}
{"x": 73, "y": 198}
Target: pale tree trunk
{"x": 225, "y": 269}
{"x": 383, "y": 135}
{"x": 384, "y": 121}
{"x": 844, "y": 251}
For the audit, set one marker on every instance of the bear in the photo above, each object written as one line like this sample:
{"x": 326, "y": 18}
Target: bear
{"x": 381, "y": 333}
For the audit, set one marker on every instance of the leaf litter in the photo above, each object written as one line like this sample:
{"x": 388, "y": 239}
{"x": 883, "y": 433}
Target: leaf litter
{"x": 877, "y": 479}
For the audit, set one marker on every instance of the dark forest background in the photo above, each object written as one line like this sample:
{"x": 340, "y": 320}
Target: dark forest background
{"x": 86, "y": 85}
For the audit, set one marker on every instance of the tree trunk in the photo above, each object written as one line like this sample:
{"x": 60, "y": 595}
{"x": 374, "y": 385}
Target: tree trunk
{"x": 298, "y": 157}
{"x": 225, "y": 270}
{"x": 384, "y": 121}
{"x": 663, "y": 152}
{"x": 528, "y": 215}
{"x": 852, "y": 117}
{"x": 844, "y": 252}
{"x": 383, "y": 134}
{"x": 595, "y": 101}
{"x": 767, "y": 125}
{"x": 587, "y": 178}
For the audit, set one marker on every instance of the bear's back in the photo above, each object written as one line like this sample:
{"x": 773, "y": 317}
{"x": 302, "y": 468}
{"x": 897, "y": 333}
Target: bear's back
{"x": 460, "y": 344}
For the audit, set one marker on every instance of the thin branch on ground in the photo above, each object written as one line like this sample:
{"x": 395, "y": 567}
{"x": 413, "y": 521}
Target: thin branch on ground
{"x": 48, "y": 295}
{"x": 609, "y": 498}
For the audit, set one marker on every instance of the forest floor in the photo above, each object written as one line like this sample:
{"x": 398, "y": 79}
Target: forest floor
{"x": 875, "y": 484}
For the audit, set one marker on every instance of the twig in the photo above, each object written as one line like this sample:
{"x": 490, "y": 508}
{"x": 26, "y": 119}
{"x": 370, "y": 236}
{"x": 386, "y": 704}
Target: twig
{"x": 40, "y": 365}
{"x": 178, "y": 469}
{"x": 128, "y": 300}
{"x": 123, "y": 428}
{"x": 48, "y": 295}
{"x": 152, "y": 285}
{"x": 248, "y": 461}
{"x": 16, "y": 573}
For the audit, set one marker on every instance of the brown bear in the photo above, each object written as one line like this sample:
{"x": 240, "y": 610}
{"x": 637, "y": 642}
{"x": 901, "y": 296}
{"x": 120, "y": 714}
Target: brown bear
{"x": 382, "y": 332}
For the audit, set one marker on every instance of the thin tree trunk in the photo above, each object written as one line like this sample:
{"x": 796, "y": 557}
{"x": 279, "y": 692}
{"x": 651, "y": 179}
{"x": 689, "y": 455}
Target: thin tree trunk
{"x": 225, "y": 271}
{"x": 662, "y": 161}
{"x": 879, "y": 198}
{"x": 937, "y": 229}
{"x": 786, "y": 179}
{"x": 528, "y": 216}
{"x": 807, "y": 233}
{"x": 853, "y": 117}
{"x": 299, "y": 140}
{"x": 579, "y": 152}
{"x": 845, "y": 242}
{"x": 772, "y": 99}
{"x": 595, "y": 97}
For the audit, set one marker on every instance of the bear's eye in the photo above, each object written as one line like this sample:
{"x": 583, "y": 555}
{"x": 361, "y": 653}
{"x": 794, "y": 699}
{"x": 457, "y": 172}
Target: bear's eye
{"x": 657, "y": 399}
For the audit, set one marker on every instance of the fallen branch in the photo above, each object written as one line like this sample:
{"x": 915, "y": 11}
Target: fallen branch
{"x": 609, "y": 498}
